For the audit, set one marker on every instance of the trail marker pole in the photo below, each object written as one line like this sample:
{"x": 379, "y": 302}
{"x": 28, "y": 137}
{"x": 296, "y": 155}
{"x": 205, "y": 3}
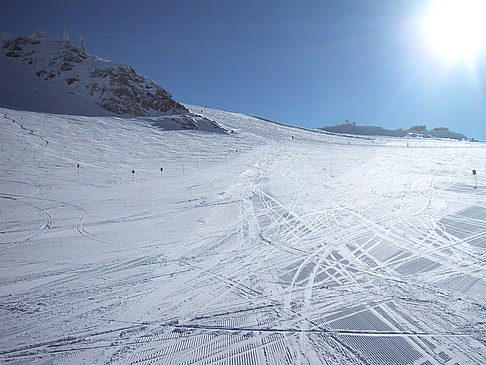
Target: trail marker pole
{"x": 34, "y": 157}
{"x": 161, "y": 170}
{"x": 475, "y": 180}
{"x": 78, "y": 169}
{"x": 133, "y": 175}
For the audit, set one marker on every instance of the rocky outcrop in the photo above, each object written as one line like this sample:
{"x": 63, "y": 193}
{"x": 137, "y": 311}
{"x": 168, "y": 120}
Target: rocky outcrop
{"x": 115, "y": 87}
{"x": 126, "y": 92}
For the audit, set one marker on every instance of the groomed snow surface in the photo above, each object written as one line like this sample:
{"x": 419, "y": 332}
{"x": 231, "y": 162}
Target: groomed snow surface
{"x": 270, "y": 244}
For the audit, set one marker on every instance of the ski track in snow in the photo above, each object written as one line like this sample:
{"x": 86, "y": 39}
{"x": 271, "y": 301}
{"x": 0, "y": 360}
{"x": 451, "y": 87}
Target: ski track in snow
{"x": 270, "y": 244}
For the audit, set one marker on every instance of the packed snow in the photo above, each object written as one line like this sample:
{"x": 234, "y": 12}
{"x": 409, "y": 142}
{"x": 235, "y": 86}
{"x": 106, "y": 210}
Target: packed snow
{"x": 264, "y": 245}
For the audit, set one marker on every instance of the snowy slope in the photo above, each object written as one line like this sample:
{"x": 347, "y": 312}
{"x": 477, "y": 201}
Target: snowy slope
{"x": 267, "y": 245}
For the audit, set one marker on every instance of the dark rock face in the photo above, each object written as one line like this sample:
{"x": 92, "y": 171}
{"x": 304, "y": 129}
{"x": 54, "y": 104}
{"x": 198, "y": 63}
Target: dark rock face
{"x": 126, "y": 92}
{"x": 71, "y": 80}
{"x": 15, "y": 47}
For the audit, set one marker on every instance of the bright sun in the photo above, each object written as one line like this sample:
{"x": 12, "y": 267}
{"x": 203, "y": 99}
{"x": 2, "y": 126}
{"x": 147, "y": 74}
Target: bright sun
{"x": 456, "y": 29}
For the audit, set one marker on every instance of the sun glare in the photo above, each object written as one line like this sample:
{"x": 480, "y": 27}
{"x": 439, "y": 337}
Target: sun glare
{"x": 456, "y": 29}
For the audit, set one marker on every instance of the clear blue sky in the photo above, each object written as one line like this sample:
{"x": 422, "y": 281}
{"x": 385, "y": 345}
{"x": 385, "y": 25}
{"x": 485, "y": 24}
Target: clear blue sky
{"x": 308, "y": 63}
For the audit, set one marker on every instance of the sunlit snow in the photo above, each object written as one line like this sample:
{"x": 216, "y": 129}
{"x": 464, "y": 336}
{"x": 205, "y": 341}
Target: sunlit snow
{"x": 267, "y": 244}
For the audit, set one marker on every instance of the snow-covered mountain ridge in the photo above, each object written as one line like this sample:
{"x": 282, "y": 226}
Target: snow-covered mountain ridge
{"x": 115, "y": 87}
{"x": 416, "y": 131}
{"x": 43, "y": 74}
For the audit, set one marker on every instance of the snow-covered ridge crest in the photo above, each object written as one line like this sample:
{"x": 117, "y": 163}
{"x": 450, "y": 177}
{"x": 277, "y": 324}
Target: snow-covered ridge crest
{"x": 43, "y": 74}
{"x": 115, "y": 87}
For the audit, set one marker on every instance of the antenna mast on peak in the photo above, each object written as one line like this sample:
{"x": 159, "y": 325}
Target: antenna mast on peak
{"x": 81, "y": 45}
{"x": 65, "y": 36}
